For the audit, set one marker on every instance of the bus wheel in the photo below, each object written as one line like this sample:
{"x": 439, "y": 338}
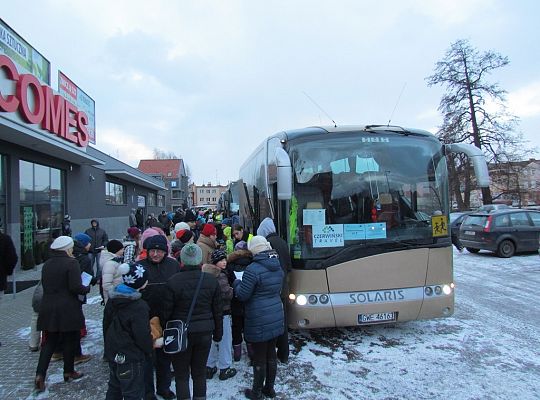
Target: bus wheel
{"x": 506, "y": 249}
{"x": 471, "y": 250}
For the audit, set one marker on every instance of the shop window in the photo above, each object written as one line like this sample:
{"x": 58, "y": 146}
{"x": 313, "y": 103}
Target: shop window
{"x": 115, "y": 194}
{"x": 3, "y": 189}
{"x": 161, "y": 200}
{"x": 176, "y": 194}
{"x": 152, "y": 199}
{"x": 42, "y": 210}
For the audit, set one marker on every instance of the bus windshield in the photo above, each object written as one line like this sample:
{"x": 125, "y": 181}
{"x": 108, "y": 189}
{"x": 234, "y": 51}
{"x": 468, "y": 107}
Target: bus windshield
{"x": 358, "y": 195}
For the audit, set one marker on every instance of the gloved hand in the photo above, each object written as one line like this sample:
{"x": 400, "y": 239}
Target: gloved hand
{"x": 217, "y": 338}
{"x": 93, "y": 281}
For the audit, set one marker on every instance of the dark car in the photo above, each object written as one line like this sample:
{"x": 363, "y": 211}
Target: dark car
{"x": 505, "y": 232}
{"x": 456, "y": 219}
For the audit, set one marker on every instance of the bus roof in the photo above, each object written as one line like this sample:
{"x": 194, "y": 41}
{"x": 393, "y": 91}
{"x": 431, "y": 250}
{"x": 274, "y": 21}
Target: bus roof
{"x": 321, "y": 130}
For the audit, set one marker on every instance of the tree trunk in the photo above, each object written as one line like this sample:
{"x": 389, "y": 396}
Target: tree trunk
{"x": 486, "y": 193}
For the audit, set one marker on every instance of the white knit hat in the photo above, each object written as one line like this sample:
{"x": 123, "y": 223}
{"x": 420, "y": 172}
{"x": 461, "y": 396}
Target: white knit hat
{"x": 62, "y": 243}
{"x": 181, "y": 225}
{"x": 258, "y": 244}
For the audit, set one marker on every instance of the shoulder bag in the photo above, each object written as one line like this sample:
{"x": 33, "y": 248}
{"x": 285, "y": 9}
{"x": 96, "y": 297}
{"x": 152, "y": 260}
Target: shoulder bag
{"x": 176, "y": 331}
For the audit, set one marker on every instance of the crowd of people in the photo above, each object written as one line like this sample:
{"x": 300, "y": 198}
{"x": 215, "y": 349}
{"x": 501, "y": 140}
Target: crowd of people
{"x": 229, "y": 287}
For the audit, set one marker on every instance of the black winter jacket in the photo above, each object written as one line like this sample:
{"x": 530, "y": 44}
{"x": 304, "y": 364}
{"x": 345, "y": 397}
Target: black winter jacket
{"x": 237, "y": 261}
{"x": 282, "y": 248}
{"x": 99, "y": 238}
{"x": 61, "y": 310}
{"x": 158, "y": 275}
{"x": 130, "y": 333}
{"x": 8, "y": 259}
{"x": 207, "y": 314}
{"x": 82, "y": 257}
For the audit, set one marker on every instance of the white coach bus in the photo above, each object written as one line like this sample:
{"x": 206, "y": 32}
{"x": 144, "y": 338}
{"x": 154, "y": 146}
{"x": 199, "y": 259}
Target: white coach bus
{"x": 364, "y": 210}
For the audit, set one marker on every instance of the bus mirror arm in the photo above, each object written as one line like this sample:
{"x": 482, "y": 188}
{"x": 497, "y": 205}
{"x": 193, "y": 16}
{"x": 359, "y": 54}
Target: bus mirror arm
{"x": 284, "y": 174}
{"x": 478, "y": 160}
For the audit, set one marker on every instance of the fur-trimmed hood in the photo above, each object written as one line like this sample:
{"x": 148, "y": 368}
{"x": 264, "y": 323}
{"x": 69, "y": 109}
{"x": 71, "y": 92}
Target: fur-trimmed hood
{"x": 211, "y": 269}
{"x": 237, "y": 255}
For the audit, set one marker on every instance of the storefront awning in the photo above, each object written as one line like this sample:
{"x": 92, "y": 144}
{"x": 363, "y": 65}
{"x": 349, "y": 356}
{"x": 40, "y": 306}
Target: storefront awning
{"x": 131, "y": 177}
{"x": 23, "y": 136}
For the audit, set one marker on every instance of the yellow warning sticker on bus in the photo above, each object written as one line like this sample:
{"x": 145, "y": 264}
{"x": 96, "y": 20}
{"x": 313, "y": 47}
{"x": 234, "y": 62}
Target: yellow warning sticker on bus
{"x": 439, "y": 225}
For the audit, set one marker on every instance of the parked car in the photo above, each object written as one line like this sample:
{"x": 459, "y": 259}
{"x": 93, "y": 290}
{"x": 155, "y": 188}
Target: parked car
{"x": 505, "y": 232}
{"x": 492, "y": 207}
{"x": 456, "y": 219}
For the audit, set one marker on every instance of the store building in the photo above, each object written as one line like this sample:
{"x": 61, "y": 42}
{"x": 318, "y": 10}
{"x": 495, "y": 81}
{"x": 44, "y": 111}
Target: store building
{"x": 47, "y": 168}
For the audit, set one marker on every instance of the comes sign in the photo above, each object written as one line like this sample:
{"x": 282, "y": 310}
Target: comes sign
{"x": 54, "y": 113}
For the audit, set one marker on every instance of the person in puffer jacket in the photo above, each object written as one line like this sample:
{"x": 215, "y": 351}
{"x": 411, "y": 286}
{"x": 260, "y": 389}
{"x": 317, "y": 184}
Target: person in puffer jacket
{"x": 110, "y": 261}
{"x": 264, "y": 321}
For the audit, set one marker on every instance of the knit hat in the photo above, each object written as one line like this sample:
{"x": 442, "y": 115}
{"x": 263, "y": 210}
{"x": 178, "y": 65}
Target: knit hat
{"x": 191, "y": 254}
{"x": 184, "y": 235}
{"x": 226, "y": 221}
{"x": 133, "y": 232}
{"x": 134, "y": 275}
{"x": 180, "y": 226}
{"x": 62, "y": 243}
{"x": 241, "y": 245}
{"x": 83, "y": 239}
{"x": 218, "y": 255}
{"x": 227, "y": 232}
{"x": 157, "y": 242}
{"x": 209, "y": 229}
{"x": 189, "y": 216}
{"x": 258, "y": 244}
{"x": 114, "y": 246}
{"x": 148, "y": 233}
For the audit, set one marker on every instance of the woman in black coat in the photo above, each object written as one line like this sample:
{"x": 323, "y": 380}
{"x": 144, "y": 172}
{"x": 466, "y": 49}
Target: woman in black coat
{"x": 60, "y": 312}
{"x": 238, "y": 261}
{"x": 206, "y": 320}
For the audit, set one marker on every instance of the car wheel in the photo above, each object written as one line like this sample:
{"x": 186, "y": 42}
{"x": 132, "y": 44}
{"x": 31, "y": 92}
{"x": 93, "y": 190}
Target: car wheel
{"x": 506, "y": 249}
{"x": 471, "y": 250}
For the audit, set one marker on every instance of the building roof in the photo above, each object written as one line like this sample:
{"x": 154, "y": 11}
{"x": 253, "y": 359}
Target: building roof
{"x": 164, "y": 167}
{"x": 117, "y": 168}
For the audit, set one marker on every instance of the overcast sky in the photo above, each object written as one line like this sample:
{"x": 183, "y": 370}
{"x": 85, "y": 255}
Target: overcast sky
{"x": 209, "y": 80}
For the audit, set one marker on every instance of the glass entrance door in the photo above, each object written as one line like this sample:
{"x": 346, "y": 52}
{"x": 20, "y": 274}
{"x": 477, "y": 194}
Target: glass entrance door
{"x": 42, "y": 197}
{"x": 3, "y": 192}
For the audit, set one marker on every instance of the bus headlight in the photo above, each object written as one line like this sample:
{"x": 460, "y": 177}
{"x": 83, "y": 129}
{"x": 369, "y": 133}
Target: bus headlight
{"x": 312, "y": 299}
{"x": 428, "y": 291}
{"x": 324, "y": 298}
{"x": 292, "y": 297}
{"x": 438, "y": 290}
{"x": 447, "y": 289}
{"x": 301, "y": 300}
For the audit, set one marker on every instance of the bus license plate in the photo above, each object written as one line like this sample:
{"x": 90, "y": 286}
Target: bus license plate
{"x": 376, "y": 318}
{"x": 469, "y": 233}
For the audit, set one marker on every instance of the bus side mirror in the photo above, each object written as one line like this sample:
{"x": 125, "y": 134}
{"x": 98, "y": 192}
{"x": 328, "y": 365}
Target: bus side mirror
{"x": 284, "y": 175}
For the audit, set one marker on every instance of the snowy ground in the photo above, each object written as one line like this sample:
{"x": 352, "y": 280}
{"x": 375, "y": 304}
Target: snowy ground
{"x": 489, "y": 349}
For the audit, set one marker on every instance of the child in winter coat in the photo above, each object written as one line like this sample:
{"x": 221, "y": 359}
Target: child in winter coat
{"x": 220, "y": 355}
{"x": 128, "y": 341}
{"x": 111, "y": 260}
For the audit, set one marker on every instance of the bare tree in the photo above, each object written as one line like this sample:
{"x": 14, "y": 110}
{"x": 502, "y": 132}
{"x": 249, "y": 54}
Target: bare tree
{"x": 159, "y": 154}
{"x": 466, "y": 117}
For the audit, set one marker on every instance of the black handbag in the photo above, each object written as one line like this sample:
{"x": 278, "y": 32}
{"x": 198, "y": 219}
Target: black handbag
{"x": 176, "y": 331}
